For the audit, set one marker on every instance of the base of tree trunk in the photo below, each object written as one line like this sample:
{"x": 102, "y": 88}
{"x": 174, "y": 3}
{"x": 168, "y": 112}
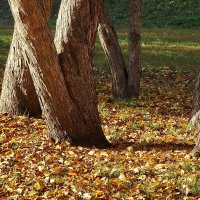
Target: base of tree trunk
{"x": 99, "y": 142}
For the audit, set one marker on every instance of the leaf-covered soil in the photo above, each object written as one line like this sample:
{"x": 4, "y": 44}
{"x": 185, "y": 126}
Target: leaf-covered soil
{"x": 149, "y": 158}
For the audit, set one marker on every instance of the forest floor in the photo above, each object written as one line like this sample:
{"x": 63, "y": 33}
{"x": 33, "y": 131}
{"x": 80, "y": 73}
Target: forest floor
{"x": 150, "y": 136}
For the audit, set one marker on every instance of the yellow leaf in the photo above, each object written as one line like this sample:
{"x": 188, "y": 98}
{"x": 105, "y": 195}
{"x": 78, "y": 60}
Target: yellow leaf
{"x": 104, "y": 154}
{"x": 91, "y": 153}
{"x": 122, "y": 177}
{"x": 32, "y": 193}
{"x": 37, "y": 186}
{"x": 67, "y": 163}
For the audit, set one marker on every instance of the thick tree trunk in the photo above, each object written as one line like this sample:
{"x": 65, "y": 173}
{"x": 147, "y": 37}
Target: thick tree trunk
{"x": 18, "y": 96}
{"x": 58, "y": 100}
{"x": 134, "y": 68}
{"x": 195, "y": 116}
{"x": 74, "y": 39}
{"x": 112, "y": 49}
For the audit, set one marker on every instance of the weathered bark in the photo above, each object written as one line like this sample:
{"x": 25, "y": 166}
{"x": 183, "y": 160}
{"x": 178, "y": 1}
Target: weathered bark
{"x": 74, "y": 39}
{"x": 18, "y": 94}
{"x": 195, "y": 116}
{"x": 108, "y": 38}
{"x": 57, "y": 95}
{"x": 134, "y": 68}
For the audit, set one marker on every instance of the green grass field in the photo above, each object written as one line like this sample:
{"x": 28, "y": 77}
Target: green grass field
{"x": 177, "y": 49}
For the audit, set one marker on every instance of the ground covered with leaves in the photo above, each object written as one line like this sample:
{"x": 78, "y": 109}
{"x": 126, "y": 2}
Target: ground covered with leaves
{"x": 148, "y": 160}
{"x": 151, "y": 137}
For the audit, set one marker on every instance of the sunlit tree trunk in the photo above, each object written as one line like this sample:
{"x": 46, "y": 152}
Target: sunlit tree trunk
{"x": 74, "y": 39}
{"x": 134, "y": 67}
{"x": 18, "y": 94}
{"x": 68, "y": 103}
{"x": 195, "y": 116}
{"x": 108, "y": 38}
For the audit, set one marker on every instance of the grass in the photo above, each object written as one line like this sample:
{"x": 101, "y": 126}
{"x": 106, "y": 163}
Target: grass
{"x": 165, "y": 13}
{"x": 177, "y": 49}
{"x": 5, "y": 40}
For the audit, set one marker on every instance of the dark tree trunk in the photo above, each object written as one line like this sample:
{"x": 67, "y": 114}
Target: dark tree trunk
{"x": 59, "y": 96}
{"x": 195, "y": 116}
{"x": 126, "y": 82}
{"x": 134, "y": 67}
{"x": 112, "y": 49}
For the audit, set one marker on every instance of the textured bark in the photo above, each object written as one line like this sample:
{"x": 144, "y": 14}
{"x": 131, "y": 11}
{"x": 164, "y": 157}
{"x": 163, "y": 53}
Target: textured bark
{"x": 134, "y": 68}
{"x": 18, "y": 94}
{"x": 108, "y": 38}
{"x": 57, "y": 96}
{"x": 195, "y": 116}
{"x": 74, "y": 39}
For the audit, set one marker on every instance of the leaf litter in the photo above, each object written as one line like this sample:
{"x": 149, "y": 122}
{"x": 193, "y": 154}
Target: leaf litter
{"x": 149, "y": 158}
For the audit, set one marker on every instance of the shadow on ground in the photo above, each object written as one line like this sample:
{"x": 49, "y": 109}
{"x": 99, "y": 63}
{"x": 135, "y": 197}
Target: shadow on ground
{"x": 123, "y": 144}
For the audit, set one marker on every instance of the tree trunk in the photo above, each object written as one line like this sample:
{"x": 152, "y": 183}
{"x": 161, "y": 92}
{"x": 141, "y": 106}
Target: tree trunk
{"x": 134, "y": 68}
{"x": 195, "y": 116}
{"x": 112, "y": 49}
{"x": 57, "y": 96}
{"x": 18, "y": 96}
{"x": 74, "y": 40}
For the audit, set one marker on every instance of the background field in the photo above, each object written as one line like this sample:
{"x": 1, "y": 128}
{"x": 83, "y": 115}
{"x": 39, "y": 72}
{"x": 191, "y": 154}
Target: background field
{"x": 182, "y": 13}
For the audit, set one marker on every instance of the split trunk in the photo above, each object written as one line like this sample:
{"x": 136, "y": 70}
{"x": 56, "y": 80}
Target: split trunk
{"x": 125, "y": 81}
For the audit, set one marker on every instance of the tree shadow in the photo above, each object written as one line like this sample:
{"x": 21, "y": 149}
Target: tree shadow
{"x": 165, "y": 146}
